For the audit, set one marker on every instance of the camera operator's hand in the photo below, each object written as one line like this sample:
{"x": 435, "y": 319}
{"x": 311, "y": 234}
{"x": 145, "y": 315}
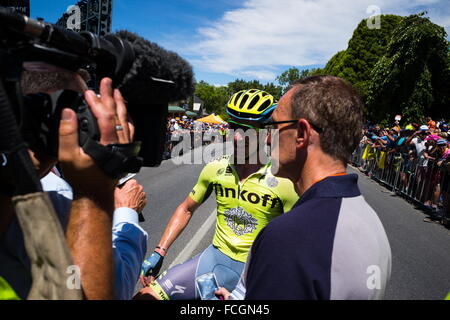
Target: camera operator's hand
{"x": 127, "y": 134}
{"x": 130, "y": 195}
{"x": 90, "y": 223}
{"x": 79, "y": 168}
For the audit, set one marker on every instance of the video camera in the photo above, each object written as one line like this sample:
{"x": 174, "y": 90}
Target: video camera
{"x": 148, "y": 76}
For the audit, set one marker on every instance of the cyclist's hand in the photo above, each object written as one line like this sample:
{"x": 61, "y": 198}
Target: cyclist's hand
{"x": 150, "y": 268}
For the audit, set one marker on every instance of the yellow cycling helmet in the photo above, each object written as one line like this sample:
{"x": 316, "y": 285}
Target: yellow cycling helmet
{"x": 253, "y": 105}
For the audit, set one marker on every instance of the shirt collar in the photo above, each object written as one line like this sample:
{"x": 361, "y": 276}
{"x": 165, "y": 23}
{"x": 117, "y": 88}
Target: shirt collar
{"x": 345, "y": 186}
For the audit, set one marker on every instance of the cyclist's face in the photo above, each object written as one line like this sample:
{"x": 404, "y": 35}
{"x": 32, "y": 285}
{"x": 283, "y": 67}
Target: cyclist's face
{"x": 245, "y": 134}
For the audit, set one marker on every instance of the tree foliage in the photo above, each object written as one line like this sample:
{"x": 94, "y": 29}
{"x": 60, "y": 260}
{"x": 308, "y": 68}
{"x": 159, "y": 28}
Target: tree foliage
{"x": 214, "y": 98}
{"x": 365, "y": 48}
{"x": 413, "y": 76}
{"x": 293, "y": 74}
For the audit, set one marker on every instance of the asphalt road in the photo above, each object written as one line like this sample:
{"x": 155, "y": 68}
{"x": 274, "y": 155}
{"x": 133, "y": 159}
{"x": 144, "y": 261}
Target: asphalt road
{"x": 420, "y": 251}
{"x": 166, "y": 187}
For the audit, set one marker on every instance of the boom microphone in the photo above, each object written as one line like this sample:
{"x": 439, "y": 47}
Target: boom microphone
{"x": 156, "y": 78}
{"x": 152, "y": 63}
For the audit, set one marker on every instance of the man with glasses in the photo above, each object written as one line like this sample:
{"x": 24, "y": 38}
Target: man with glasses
{"x": 248, "y": 197}
{"x": 331, "y": 245}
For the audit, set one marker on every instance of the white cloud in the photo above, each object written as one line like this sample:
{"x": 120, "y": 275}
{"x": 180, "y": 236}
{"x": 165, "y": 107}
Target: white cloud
{"x": 264, "y": 34}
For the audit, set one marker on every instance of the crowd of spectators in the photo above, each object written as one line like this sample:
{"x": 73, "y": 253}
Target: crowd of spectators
{"x": 414, "y": 160}
{"x": 200, "y": 132}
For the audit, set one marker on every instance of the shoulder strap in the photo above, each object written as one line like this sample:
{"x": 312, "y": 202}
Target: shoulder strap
{"x": 47, "y": 249}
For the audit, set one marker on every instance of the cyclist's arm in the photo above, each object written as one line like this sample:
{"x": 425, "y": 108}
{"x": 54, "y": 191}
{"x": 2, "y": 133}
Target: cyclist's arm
{"x": 182, "y": 215}
{"x": 179, "y": 220}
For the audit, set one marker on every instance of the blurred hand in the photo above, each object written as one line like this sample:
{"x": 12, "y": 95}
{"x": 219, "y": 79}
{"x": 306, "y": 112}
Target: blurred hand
{"x": 79, "y": 169}
{"x": 222, "y": 292}
{"x": 130, "y": 195}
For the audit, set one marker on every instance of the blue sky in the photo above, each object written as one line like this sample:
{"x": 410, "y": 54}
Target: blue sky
{"x": 249, "y": 39}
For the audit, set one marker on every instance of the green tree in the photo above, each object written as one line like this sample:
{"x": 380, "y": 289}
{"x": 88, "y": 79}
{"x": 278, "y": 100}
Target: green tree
{"x": 240, "y": 84}
{"x": 288, "y": 77}
{"x": 413, "y": 76}
{"x": 293, "y": 74}
{"x": 365, "y": 48}
{"x": 214, "y": 98}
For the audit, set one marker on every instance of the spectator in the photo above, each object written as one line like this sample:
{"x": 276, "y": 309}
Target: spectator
{"x": 418, "y": 141}
{"x": 433, "y": 192}
{"x": 431, "y": 125}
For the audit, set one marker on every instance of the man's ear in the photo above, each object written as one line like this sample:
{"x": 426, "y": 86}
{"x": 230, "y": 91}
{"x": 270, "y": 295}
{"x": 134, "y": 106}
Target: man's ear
{"x": 303, "y": 129}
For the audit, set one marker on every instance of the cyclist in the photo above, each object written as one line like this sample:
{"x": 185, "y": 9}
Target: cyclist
{"x": 248, "y": 197}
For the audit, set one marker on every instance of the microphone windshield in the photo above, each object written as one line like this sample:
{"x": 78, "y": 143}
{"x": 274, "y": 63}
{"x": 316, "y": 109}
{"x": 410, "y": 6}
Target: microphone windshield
{"x": 152, "y": 63}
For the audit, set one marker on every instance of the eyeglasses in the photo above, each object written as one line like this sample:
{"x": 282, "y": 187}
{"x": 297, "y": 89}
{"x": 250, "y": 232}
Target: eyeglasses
{"x": 239, "y": 126}
{"x": 273, "y": 125}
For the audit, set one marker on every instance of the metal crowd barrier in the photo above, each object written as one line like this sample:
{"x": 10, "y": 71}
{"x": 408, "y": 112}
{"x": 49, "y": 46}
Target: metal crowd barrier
{"x": 418, "y": 181}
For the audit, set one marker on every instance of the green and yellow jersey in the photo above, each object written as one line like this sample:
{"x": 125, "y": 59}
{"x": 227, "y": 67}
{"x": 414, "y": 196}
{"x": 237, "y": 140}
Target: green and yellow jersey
{"x": 243, "y": 208}
{"x": 6, "y": 292}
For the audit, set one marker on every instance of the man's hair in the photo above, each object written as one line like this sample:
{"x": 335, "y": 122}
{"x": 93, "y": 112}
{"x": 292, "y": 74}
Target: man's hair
{"x": 37, "y": 81}
{"x": 332, "y": 104}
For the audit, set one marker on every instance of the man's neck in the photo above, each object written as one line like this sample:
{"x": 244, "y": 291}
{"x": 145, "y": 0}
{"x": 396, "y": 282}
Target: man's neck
{"x": 317, "y": 168}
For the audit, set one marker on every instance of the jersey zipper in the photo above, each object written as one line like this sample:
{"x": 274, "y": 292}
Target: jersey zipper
{"x": 241, "y": 184}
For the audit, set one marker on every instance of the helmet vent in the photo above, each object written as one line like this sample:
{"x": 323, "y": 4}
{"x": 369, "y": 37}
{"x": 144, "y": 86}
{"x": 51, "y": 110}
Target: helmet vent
{"x": 253, "y": 103}
{"x": 265, "y": 105}
{"x": 244, "y": 100}
{"x": 238, "y": 96}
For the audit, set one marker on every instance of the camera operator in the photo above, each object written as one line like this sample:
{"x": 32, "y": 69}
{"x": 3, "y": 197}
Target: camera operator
{"x": 91, "y": 219}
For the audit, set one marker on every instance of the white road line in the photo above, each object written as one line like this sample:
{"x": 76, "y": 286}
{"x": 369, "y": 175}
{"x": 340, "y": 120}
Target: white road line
{"x": 186, "y": 253}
